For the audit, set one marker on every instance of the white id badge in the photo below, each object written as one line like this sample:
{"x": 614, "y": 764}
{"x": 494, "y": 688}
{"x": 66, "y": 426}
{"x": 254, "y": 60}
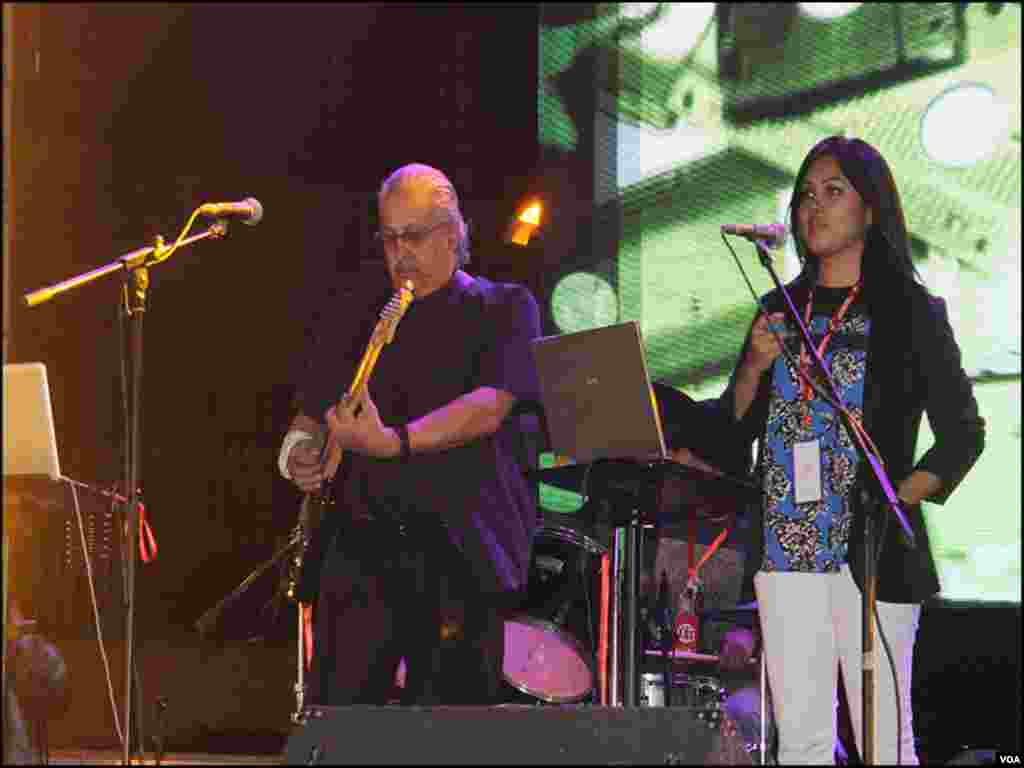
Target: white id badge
{"x": 807, "y": 471}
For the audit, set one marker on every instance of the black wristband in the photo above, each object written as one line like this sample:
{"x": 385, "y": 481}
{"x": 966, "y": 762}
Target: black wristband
{"x": 405, "y": 449}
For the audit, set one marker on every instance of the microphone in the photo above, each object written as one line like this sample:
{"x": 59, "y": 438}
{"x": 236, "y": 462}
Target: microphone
{"x": 249, "y": 208}
{"x": 773, "y": 234}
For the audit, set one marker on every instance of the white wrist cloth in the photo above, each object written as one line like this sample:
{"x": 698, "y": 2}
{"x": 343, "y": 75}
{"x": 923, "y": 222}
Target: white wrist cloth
{"x": 293, "y": 437}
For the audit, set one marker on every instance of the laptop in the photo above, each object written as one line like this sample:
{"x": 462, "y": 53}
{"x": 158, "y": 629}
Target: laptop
{"x": 597, "y": 395}
{"x": 30, "y": 442}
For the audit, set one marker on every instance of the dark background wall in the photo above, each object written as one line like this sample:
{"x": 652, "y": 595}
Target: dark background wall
{"x": 125, "y": 117}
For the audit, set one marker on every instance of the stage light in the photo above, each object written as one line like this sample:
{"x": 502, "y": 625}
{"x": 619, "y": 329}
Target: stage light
{"x": 525, "y": 224}
{"x": 531, "y": 215}
{"x": 678, "y": 28}
{"x": 637, "y": 10}
{"x": 827, "y": 11}
{"x": 963, "y": 125}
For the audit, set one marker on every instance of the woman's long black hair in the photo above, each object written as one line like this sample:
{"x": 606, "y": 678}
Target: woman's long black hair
{"x": 886, "y": 260}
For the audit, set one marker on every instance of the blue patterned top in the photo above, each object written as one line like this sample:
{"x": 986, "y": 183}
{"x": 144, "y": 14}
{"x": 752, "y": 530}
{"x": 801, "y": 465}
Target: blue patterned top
{"x": 813, "y": 536}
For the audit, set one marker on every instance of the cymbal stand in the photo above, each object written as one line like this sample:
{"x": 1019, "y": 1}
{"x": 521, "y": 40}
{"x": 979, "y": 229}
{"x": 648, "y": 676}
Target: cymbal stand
{"x": 613, "y": 697}
{"x": 624, "y": 636}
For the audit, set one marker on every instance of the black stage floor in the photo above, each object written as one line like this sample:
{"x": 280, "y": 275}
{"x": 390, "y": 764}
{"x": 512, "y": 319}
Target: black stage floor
{"x": 113, "y": 757}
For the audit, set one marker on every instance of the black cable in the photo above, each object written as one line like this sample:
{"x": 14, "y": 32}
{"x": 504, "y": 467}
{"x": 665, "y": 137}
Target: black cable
{"x": 822, "y": 393}
{"x": 888, "y": 650}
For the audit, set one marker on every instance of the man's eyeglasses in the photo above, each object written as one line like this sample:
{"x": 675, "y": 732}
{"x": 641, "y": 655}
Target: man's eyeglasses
{"x": 413, "y": 236}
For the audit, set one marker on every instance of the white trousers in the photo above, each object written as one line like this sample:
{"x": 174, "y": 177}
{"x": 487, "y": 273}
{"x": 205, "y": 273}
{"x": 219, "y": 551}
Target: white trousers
{"x": 810, "y": 622}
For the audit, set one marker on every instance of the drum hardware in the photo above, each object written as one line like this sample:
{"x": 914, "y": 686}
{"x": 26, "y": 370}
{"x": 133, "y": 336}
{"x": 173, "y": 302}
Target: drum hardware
{"x": 703, "y": 693}
{"x": 632, "y": 486}
{"x": 684, "y": 656}
{"x": 253, "y": 608}
{"x": 652, "y": 689}
{"x": 160, "y": 705}
{"x": 298, "y": 717}
{"x": 744, "y": 613}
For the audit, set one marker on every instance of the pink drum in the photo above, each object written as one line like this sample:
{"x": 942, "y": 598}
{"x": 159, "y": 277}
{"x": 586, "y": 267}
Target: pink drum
{"x": 551, "y": 644}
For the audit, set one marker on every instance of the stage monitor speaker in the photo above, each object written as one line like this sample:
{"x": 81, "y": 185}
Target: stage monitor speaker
{"x": 513, "y": 735}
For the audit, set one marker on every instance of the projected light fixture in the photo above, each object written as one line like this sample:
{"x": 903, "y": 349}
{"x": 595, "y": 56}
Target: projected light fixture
{"x": 637, "y": 10}
{"x": 963, "y": 125}
{"x": 827, "y": 11}
{"x": 582, "y": 300}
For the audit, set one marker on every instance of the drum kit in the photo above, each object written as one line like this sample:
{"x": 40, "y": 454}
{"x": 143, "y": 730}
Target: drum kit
{"x": 550, "y": 644}
{"x": 576, "y": 638}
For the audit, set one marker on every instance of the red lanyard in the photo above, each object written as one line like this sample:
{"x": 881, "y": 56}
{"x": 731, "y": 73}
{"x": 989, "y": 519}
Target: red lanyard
{"x": 694, "y": 568}
{"x": 805, "y": 358}
{"x": 147, "y": 542}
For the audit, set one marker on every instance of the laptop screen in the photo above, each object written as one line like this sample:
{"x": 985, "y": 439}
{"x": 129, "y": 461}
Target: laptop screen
{"x": 30, "y": 442}
{"x": 597, "y": 395}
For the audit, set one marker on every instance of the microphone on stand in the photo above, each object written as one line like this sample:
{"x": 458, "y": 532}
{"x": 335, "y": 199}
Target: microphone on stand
{"x": 774, "y": 235}
{"x": 250, "y": 209}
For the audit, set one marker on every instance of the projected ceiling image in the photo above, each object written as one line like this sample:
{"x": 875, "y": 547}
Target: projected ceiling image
{"x": 696, "y": 115}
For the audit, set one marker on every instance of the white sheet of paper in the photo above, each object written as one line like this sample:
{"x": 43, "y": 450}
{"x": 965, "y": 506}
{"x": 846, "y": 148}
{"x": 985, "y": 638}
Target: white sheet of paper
{"x": 807, "y": 471}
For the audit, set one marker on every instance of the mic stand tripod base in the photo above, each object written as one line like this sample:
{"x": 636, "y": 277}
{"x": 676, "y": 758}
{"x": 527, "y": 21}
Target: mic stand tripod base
{"x": 299, "y": 715}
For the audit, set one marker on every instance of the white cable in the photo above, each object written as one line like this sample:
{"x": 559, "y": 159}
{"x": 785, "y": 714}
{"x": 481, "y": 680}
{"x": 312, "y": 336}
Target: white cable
{"x": 888, "y": 652}
{"x": 764, "y": 710}
{"x": 95, "y": 609}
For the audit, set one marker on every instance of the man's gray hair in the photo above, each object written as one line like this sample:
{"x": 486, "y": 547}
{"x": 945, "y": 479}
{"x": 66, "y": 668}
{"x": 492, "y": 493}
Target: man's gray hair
{"x": 443, "y": 193}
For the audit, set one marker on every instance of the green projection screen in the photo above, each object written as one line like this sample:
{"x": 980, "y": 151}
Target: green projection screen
{"x": 674, "y": 118}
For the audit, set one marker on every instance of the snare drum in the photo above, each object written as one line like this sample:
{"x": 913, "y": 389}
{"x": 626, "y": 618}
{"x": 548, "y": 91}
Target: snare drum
{"x": 551, "y": 643}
